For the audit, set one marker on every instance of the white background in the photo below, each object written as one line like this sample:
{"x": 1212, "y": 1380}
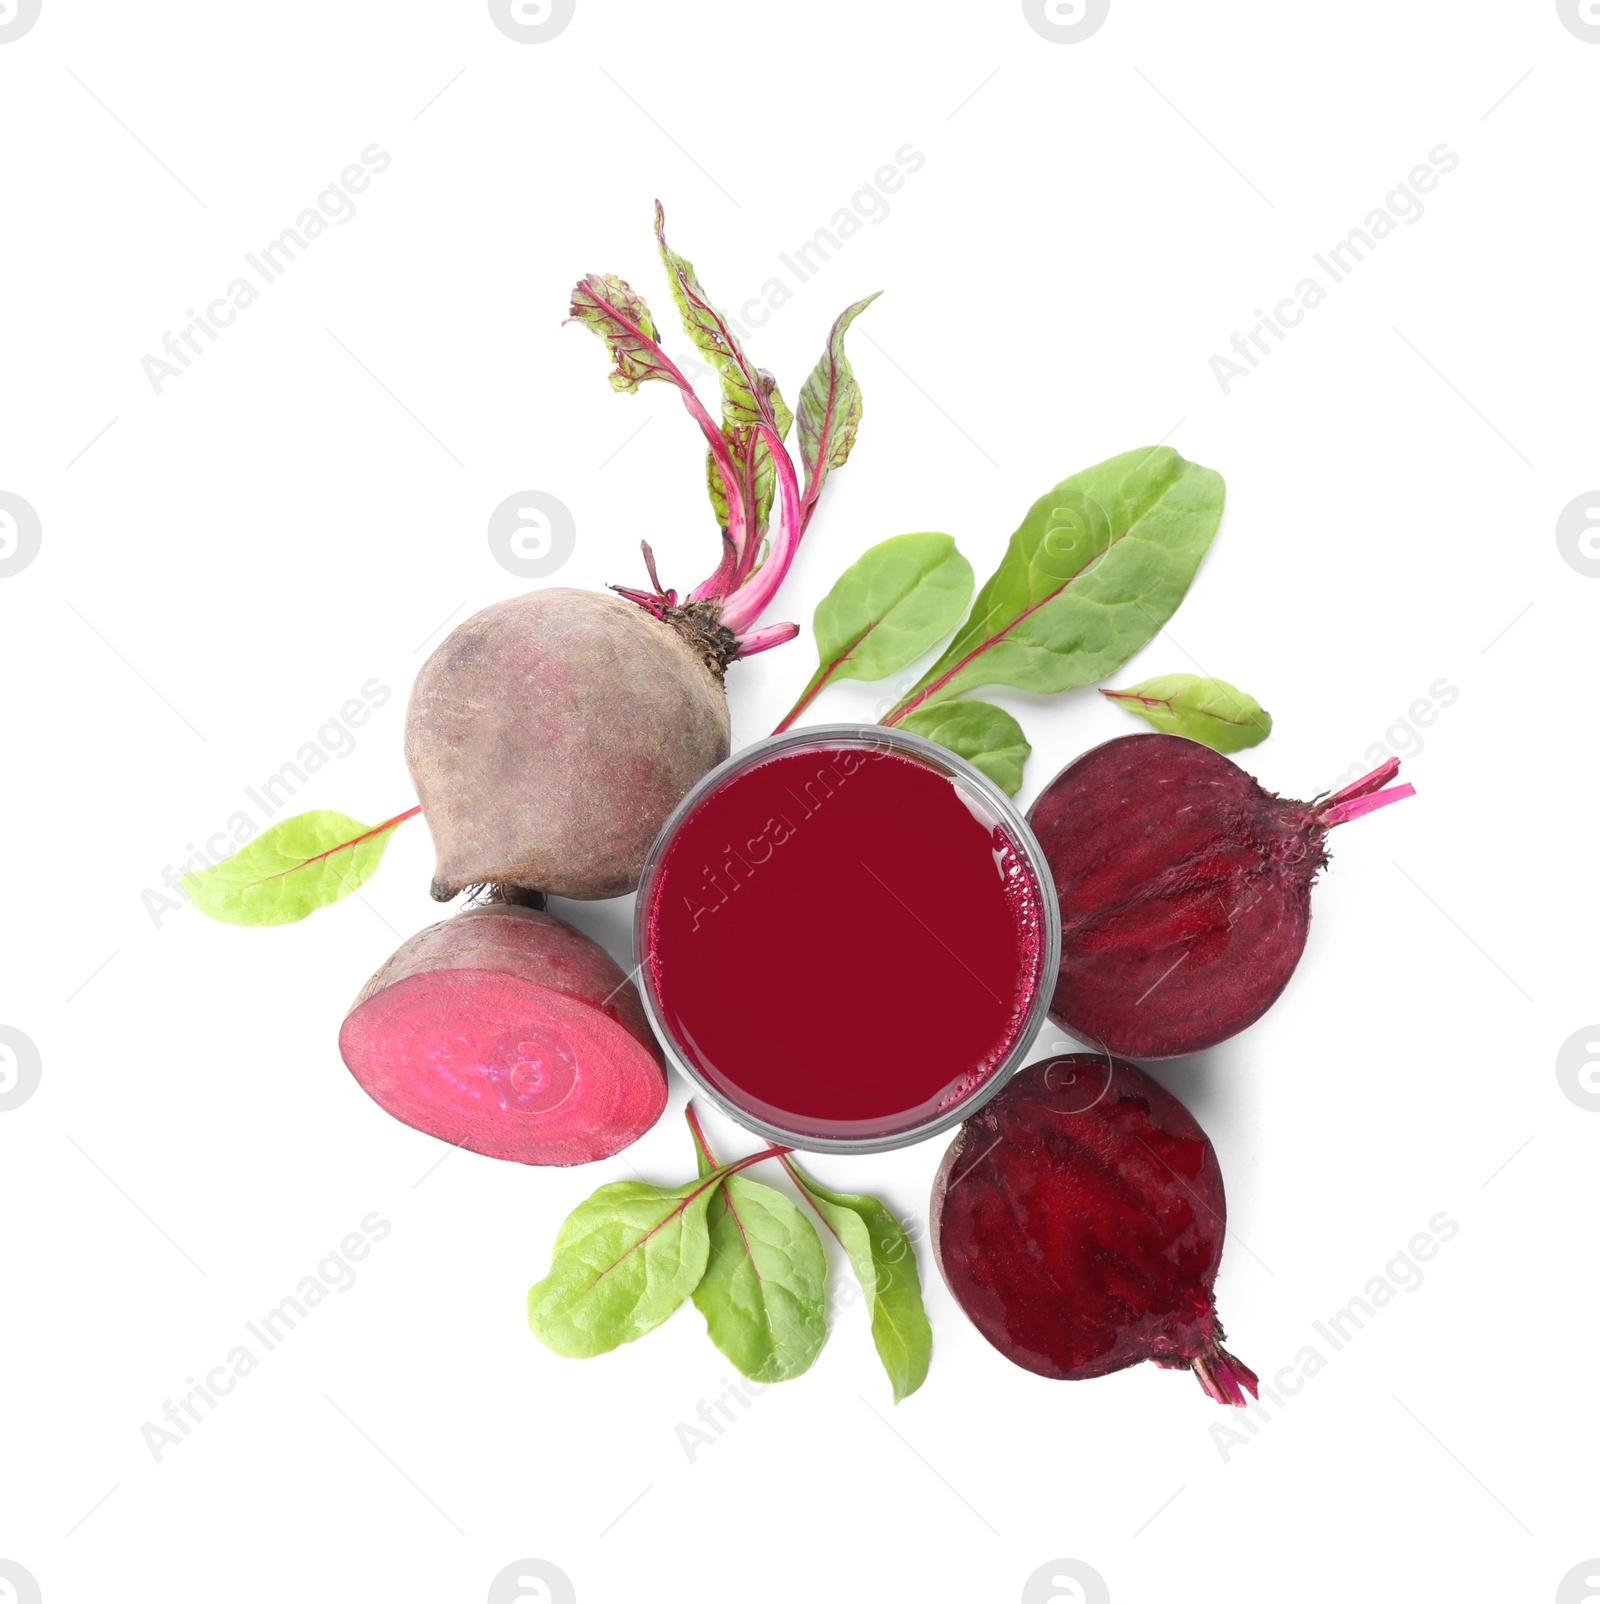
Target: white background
{"x": 302, "y": 511}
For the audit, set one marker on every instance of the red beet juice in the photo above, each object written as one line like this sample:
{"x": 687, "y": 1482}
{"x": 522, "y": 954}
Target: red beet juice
{"x": 844, "y": 937}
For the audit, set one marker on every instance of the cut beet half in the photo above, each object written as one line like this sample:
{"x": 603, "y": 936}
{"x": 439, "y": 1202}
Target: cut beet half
{"x": 1079, "y": 1218}
{"x": 507, "y": 1032}
{"x": 1185, "y": 890}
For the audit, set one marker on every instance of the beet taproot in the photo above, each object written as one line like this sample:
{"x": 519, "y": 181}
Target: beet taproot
{"x": 549, "y": 737}
{"x": 1185, "y": 890}
{"x": 506, "y": 1031}
{"x": 1078, "y": 1219}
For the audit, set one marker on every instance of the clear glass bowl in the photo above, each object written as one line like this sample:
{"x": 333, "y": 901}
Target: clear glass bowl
{"x": 979, "y": 792}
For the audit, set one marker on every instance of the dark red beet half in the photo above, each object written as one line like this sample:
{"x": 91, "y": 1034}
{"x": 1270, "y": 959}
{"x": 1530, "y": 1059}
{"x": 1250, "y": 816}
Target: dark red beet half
{"x": 1185, "y": 890}
{"x": 506, "y": 1031}
{"x": 1078, "y": 1219}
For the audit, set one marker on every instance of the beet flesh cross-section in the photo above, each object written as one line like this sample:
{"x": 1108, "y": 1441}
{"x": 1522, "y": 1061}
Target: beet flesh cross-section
{"x": 1185, "y": 890}
{"x": 507, "y": 1032}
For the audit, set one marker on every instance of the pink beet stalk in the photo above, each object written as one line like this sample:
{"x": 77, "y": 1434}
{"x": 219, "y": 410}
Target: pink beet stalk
{"x": 721, "y": 612}
{"x": 763, "y": 640}
{"x": 743, "y": 595}
{"x": 751, "y": 599}
{"x": 1356, "y": 806}
{"x": 1365, "y": 795}
{"x": 1375, "y": 781}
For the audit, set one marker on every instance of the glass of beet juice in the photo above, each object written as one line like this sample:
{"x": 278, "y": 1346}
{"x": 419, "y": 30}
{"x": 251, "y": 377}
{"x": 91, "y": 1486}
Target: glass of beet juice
{"x": 847, "y": 937}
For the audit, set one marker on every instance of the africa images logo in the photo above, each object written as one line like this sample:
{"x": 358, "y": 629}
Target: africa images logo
{"x": 20, "y": 1584}
{"x": 16, "y": 18}
{"x": 1578, "y": 534}
{"x": 21, "y": 1069}
{"x": 1581, "y": 18}
{"x": 532, "y": 1580}
{"x": 20, "y": 533}
{"x": 1066, "y": 22}
{"x": 532, "y": 534}
{"x": 1061, "y": 1581}
{"x": 532, "y": 22}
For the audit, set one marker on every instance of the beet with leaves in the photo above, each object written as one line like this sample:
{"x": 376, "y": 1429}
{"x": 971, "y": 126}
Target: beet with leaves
{"x": 550, "y": 736}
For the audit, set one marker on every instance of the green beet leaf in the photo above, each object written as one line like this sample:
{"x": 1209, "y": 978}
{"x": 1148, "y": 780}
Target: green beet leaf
{"x": 764, "y": 1293}
{"x": 985, "y": 735}
{"x": 885, "y": 1264}
{"x": 749, "y": 394}
{"x": 745, "y": 399}
{"x": 887, "y": 609}
{"x": 830, "y": 407}
{"x": 624, "y": 1260}
{"x": 1099, "y": 564}
{"x": 890, "y": 606}
{"x": 291, "y": 870}
{"x": 1208, "y": 710}
{"x": 613, "y": 310}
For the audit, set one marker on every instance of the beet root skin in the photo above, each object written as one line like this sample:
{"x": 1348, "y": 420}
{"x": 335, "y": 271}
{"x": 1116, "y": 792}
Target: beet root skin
{"x": 507, "y": 1032}
{"x": 549, "y": 736}
{"x": 1078, "y": 1219}
{"x": 1185, "y": 891}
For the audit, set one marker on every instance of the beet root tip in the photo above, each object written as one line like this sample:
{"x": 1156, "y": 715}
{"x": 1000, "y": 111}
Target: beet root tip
{"x": 1225, "y": 1378}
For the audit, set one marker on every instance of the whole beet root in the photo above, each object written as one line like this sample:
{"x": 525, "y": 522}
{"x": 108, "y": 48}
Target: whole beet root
{"x": 509, "y": 1033}
{"x": 1078, "y": 1219}
{"x": 550, "y": 736}
{"x": 1185, "y": 890}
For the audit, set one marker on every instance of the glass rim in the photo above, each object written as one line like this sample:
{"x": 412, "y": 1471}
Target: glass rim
{"x": 1009, "y": 816}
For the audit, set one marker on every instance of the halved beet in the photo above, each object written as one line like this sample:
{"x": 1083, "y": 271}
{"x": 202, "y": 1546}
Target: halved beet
{"x": 1185, "y": 890}
{"x": 505, "y": 1031}
{"x": 1078, "y": 1219}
